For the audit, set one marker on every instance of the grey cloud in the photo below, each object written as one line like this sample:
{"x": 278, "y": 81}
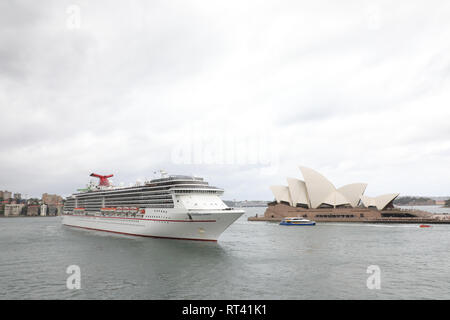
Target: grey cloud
{"x": 120, "y": 93}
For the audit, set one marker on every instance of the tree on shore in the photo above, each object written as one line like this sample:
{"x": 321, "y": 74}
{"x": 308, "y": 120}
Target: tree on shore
{"x": 407, "y": 200}
{"x": 447, "y": 203}
{"x": 33, "y": 201}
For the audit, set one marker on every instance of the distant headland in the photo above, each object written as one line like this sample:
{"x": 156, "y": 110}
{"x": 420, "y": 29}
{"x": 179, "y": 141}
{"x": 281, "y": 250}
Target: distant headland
{"x": 422, "y": 201}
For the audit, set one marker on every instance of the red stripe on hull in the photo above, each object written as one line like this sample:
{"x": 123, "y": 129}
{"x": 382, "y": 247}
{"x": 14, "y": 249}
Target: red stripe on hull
{"x": 140, "y": 235}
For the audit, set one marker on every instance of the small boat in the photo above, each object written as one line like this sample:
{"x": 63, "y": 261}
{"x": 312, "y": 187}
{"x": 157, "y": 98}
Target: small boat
{"x": 297, "y": 221}
{"x": 425, "y": 226}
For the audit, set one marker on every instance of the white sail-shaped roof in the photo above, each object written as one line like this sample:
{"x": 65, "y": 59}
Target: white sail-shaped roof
{"x": 281, "y": 193}
{"x": 379, "y": 202}
{"x": 336, "y": 199}
{"x": 297, "y": 190}
{"x": 321, "y": 191}
{"x": 353, "y": 192}
{"x": 318, "y": 187}
{"x": 316, "y": 190}
{"x": 368, "y": 201}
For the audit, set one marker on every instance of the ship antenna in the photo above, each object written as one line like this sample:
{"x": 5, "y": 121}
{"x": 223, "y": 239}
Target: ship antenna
{"x": 162, "y": 172}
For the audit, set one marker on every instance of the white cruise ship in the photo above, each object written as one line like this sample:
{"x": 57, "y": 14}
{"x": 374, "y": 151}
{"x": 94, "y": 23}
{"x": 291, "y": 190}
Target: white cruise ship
{"x": 175, "y": 206}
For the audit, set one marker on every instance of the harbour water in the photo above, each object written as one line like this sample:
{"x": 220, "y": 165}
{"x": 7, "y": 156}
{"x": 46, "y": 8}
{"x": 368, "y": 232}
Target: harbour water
{"x": 251, "y": 260}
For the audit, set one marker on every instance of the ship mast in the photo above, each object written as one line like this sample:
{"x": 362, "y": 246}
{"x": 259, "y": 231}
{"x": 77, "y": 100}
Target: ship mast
{"x": 163, "y": 173}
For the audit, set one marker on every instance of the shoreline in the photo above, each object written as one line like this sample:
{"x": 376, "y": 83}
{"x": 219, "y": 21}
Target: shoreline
{"x": 397, "y": 221}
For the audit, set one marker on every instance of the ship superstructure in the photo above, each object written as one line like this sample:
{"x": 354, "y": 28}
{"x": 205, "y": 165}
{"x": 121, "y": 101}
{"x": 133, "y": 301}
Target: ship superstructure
{"x": 172, "y": 206}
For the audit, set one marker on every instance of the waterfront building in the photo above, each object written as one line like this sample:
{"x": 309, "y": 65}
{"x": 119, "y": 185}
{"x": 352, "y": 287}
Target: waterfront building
{"x": 13, "y": 209}
{"x": 52, "y": 199}
{"x": 54, "y": 210}
{"x": 6, "y": 195}
{"x": 43, "y": 210}
{"x": 54, "y": 204}
{"x": 33, "y": 210}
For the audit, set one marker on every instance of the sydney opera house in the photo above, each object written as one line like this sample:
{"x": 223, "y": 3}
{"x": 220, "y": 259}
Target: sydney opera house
{"x": 318, "y": 199}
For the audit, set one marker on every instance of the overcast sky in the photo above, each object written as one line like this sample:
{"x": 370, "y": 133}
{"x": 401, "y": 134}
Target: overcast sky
{"x": 238, "y": 92}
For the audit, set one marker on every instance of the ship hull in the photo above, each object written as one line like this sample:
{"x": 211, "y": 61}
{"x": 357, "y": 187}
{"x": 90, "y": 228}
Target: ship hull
{"x": 195, "y": 226}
